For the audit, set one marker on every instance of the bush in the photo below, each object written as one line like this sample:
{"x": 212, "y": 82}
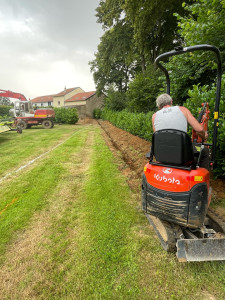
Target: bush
{"x": 4, "y": 110}
{"x": 137, "y": 124}
{"x": 66, "y": 115}
{"x": 97, "y": 113}
{"x": 143, "y": 91}
{"x": 199, "y": 95}
{"x": 115, "y": 100}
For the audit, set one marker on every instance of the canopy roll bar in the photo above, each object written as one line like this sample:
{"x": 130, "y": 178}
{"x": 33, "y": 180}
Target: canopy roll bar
{"x": 180, "y": 50}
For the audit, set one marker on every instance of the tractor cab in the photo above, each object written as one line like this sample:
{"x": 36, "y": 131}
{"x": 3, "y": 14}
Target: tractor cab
{"x": 22, "y": 109}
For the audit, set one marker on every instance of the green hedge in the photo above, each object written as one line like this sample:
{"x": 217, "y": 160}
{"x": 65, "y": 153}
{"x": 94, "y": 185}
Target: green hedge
{"x": 137, "y": 124}
{"x": 199, "y": 95}
{"x": 97, "y": 113}
{"x": 141, "y": 124}
{"x": 66, "y": 115}
{"x": 4, "y": 110}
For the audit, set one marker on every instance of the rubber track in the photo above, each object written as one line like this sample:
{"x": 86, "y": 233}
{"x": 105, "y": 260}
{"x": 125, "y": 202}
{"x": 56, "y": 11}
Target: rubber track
{"x": 168, "y": 244}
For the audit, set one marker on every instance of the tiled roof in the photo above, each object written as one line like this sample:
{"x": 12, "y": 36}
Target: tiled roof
{"x": 81, "y": 96}
{"x": 66, "y": 91}
{"x": 41, "y": 99}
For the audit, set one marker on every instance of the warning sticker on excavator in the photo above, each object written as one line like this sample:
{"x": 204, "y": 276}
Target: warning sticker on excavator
{"x": 198, "y": 178}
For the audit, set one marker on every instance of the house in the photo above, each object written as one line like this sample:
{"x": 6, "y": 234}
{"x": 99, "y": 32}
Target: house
{"x": 43, "y": 100}
{"x": 59, "y": 100}
{"x": 85, "y": 103}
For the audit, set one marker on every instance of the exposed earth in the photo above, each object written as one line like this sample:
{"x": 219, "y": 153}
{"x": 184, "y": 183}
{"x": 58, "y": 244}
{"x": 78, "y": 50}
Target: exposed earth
{"x": 133, "y": 149}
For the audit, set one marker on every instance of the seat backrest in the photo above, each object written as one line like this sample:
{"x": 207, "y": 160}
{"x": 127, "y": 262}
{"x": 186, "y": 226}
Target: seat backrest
{"x": 172, "y": 146}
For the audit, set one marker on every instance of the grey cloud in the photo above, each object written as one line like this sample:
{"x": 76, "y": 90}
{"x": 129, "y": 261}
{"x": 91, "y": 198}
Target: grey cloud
{"x": 41, "y": 34}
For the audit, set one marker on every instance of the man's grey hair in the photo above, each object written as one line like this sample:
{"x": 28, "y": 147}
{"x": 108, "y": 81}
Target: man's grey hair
{"x": 163, "y": 100}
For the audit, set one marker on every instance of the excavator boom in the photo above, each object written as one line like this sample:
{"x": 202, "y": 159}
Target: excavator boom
{"x": 10, "y": 94}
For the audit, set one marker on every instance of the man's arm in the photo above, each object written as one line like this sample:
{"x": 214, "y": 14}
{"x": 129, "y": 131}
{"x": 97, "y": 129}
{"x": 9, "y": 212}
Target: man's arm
{"x": 153, "y": 119}
{"x": 194, "y": 123}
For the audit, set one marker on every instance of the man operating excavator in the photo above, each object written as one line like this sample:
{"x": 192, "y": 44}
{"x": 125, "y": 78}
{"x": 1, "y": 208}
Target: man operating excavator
{"x": 177, "y": 117}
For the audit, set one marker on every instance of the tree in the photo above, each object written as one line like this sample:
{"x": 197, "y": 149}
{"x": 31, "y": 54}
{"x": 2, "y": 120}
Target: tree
{"x": 115, "y": 100}
{"x": 143, "y": 91}
{"x": 155, "y": 26}
{"x": 114, "y": 64}
{"x": 5, "y": 101}
{"x": 109, "y": 12}
{"x": 136, "y": 32}
{"x": 204, "y": 24}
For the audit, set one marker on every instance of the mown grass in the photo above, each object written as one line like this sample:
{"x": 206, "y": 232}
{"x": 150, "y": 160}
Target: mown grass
{"x": 98, "y": 244}
{"x": 102, "y": 264}
{"x": 29, "y": 192}
{"x": 18, "y": 148}
{"x": 113, "y": 254}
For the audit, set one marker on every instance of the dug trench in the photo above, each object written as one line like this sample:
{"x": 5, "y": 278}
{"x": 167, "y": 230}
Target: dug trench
{"x": 132, "y": 150}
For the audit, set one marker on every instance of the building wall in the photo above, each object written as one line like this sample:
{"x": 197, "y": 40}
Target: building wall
{"x": 85, "y": 108}
{"x": 93, "y": 103}
{"x": 75, "y": 103}
{"x": 81, "y": 110}
{"x": 60, "y": 100}
{"x": 45, "y": 104}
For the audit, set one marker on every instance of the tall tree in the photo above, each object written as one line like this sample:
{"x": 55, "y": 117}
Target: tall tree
{"x": 5, "y": 101}
{"x": 114, "y": 64}
{"x": 204, "y": 24}
{"x": 110, "y": 12}
{"x": 155, "y": 26}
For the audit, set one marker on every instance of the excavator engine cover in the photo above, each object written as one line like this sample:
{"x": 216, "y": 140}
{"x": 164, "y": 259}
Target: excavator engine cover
{"x": 187, "y": 208}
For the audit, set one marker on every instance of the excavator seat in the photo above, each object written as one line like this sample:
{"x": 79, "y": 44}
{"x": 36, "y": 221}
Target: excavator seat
{"x": 172, "y": 147}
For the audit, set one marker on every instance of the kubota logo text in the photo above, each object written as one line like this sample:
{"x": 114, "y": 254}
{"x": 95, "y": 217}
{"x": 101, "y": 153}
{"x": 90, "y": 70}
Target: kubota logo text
{"x": 165, "y": 179}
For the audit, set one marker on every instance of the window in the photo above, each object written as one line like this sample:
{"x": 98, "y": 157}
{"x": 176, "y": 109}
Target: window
{"x": 59, "y": 103}
{"x": 49, "y": 103}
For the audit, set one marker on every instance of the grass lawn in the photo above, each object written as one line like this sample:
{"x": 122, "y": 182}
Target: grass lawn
{"x": 17, "y": 149}
{"x": 71, "y": 228}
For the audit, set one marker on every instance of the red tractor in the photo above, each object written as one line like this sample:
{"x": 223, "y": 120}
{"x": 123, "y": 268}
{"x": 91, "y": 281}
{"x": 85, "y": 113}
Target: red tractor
{"x": 25, "y": 116}
{"x": 176, "y": 191}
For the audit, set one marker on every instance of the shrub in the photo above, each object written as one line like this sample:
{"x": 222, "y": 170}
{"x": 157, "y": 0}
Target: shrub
{"x": 137, "y": 124}
{"x": 199, "y": 95}
{"x": 97, "y": 113}
{"x": 66, "y": 115}
{"x": 4, "y": 110}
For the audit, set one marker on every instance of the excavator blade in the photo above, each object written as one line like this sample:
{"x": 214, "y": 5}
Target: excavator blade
{"x": 209, "y": 249}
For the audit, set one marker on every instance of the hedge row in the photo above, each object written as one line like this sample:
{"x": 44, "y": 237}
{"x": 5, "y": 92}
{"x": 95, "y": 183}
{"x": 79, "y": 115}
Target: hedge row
{"x": 137, "y": 124}
{"x": 66, "y": 115}
{"x": 202, "y": 94}
{"x": 4, "y": 110}
{"x": 141, "y": 125}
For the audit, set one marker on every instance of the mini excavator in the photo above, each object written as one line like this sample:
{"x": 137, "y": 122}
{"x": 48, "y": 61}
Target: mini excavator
{"x": 176, "y": 191}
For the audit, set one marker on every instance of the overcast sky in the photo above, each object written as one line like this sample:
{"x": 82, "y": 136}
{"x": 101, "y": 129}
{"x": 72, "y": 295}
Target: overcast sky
{"x": 46, "y": 45}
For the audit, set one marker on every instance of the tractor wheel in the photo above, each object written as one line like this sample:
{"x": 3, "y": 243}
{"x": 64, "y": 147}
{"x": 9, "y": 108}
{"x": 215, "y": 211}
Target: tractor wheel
{"x": 22, "y": 124}
{"x": 46, "y": 124}
{"x": 19, "y": 129}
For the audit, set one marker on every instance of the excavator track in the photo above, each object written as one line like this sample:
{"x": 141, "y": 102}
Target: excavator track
{"x": 172, "y": 239}
{"x": 167, "y": 233}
